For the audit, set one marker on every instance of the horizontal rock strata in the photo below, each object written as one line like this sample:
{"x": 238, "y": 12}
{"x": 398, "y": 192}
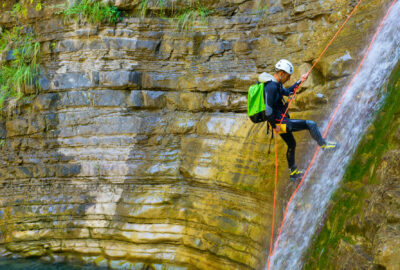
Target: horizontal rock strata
{"x": 138, "y": 151}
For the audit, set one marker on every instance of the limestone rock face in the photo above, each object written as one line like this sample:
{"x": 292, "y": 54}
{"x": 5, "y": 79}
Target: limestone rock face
{"x": 138, "y": 153}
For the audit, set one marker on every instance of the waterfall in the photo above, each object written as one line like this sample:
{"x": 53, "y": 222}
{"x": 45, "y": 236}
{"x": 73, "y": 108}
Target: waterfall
{"x": 357, "y": 111}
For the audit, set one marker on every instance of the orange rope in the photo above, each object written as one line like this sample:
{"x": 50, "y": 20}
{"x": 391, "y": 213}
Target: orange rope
{"x": 273, "y": 211}
{"x": 330, "y": 122}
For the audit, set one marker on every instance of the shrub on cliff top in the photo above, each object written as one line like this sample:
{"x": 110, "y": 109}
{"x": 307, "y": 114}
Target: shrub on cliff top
{"x": 19, "y": 67}
{"x": 93, "y": 11}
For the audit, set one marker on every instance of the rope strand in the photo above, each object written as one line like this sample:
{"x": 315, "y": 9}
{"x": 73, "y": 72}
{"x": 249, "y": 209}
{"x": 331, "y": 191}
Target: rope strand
{"x": 273, "y": 211}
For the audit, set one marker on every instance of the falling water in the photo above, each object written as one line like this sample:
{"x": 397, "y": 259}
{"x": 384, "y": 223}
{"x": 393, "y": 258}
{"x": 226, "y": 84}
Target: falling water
{"x": 353, "y": 118}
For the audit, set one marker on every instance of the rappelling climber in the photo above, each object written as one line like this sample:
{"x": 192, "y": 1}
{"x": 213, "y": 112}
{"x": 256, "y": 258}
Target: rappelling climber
{"x": 275, "y": 107}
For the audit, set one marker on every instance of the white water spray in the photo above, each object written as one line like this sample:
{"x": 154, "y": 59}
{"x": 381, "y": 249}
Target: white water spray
{"x": 353, "y": 118}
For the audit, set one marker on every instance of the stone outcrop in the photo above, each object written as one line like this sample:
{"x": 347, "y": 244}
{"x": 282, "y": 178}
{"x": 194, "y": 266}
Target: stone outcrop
{"x": 138, "y": 151}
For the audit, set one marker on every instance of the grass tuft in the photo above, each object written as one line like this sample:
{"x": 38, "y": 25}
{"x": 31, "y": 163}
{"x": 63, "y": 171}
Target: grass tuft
{"x": 188, "y": 16}
{"x": 93, "y": 11}
{"x": 19, "y": 70}
{"x": 183, "y": 18}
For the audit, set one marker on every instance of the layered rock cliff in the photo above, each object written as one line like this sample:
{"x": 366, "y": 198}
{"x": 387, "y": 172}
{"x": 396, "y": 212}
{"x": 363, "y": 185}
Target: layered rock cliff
{"x": 137, "y": 152}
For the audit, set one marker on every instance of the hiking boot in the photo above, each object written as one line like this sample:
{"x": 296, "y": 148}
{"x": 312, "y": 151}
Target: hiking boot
{"x": 329, "y": 146}
{"x": 296, "y": 174}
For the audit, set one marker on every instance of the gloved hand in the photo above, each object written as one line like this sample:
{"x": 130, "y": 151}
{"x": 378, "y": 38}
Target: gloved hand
{"x": 304, "y": 77}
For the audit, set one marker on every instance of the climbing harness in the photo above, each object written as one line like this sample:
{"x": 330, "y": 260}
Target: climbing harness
{"x": 272, "y": 251}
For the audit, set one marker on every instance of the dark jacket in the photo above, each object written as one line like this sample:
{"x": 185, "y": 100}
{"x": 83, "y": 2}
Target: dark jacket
{"x": 275, "y": 105}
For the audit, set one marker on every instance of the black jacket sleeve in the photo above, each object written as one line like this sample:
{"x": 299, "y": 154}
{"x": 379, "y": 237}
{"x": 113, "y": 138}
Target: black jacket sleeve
{"x": 290, "y": 90}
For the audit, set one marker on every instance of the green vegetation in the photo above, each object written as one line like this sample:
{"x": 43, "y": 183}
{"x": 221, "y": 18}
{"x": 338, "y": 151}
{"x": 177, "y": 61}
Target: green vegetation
{"x": 144, "y": 7}
{"x": 183, "y": 17}
{"x": 19, "y": 70}
{"x": 186, "y": 18}
{"x": 348, "y": 200}
{"x": 93, "y": 11}
{"x": 22, "y": 7}
{"x": 2, "y": 143}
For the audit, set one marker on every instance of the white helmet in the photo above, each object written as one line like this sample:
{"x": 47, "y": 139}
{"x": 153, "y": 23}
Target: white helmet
{"x": 284, "y": 65}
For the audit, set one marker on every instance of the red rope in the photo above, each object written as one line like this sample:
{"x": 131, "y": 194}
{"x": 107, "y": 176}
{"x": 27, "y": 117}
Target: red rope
{"x": 330, "y": 122}
{"x": 273, "y": 212}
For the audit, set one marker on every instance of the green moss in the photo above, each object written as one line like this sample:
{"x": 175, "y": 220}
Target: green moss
{"x": 348, "y": 199}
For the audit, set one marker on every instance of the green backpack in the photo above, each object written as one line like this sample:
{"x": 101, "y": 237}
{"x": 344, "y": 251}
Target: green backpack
{"x": 256, "y": 107}
{"x": 256, "y": 103}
